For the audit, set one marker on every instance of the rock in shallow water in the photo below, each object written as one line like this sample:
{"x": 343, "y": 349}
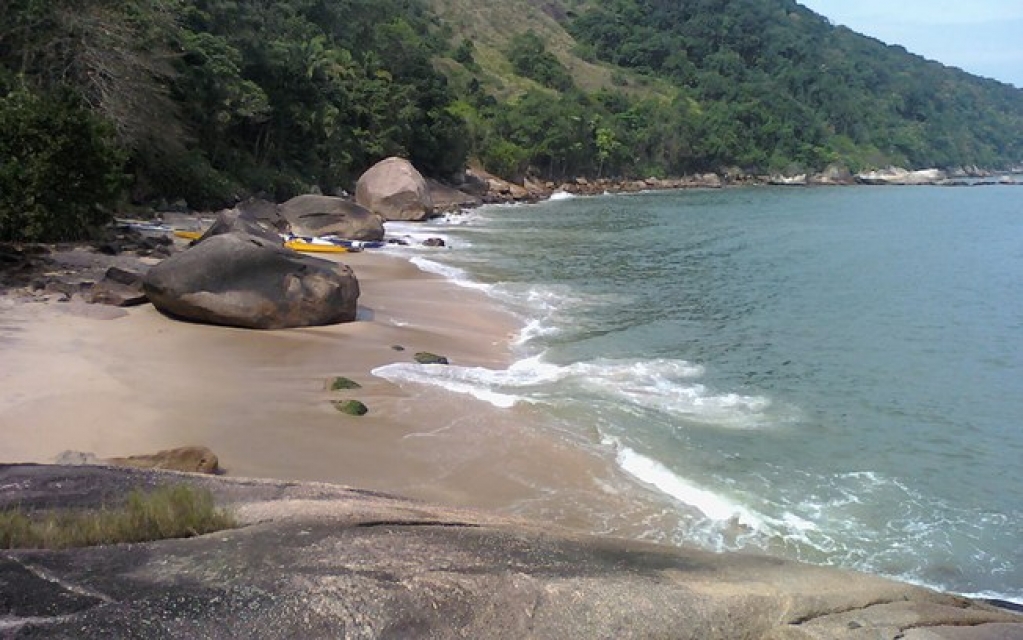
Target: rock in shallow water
{"x": 425, "y": 357}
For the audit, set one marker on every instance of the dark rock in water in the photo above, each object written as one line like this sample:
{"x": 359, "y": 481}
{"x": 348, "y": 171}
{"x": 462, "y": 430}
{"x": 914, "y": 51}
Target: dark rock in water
{"x": 341, "y": 382}
{"x": 351, "y": 407}
{"x": 320, "y": 561}
{"x": 401, "y": 242}
{"x": 190, "y": 459}
{"x": 237, "y": 221}
{"x": 118, "y": 288}
{"x": 433, "y": 242}
{"x": 425, "y": 357}
{"x": 240, "y": 280}
{"x": 397, "y": 347}
{"x": 311, "y": 215}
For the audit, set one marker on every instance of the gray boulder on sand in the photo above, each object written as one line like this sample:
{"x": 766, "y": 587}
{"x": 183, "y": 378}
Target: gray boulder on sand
{"x": 239, "y": 220}
{"x": 265, "y": 212}
{"x": 394, "y": 189}
{"x": 241, "y": 280}
{"x": 119, "y": 288}
{"x": 313, "y": 560}
{"x": 312, "y": 215}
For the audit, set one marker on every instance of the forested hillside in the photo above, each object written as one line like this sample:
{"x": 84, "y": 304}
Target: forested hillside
{"x": 211, "y": 100}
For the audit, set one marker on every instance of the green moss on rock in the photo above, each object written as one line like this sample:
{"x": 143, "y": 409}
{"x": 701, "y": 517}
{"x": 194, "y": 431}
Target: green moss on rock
{"x": 340, "y": 382}
{"x": 351, "y": 407}
{"x": 425, "y": 357}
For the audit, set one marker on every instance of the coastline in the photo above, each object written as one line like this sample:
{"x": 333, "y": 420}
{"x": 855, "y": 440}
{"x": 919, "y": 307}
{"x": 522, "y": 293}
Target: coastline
{"x": 141, "y": 382}
{"x": 114, "y": 382}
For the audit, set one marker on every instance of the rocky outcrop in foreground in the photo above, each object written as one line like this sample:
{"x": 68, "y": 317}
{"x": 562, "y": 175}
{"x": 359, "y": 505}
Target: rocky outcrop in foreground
{"x": 320, "y": 561}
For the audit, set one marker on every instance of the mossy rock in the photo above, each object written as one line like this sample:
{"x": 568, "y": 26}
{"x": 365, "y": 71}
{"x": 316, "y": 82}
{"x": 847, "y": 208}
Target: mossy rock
{"x": 351, "y": 407}
{"x": 425, "y": 357}
{"x": 341, "y": 382}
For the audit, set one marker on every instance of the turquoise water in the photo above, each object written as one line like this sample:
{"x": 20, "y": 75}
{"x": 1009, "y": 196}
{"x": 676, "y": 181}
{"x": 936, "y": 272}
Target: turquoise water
{"x": 833, "y": 375}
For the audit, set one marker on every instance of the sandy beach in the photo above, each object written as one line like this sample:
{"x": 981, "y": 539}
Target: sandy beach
{"x": 113, "y": 382}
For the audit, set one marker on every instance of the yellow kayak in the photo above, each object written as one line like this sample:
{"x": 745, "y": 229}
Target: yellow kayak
{"x": 314, "y": 247}
{"x": 295, "y": 244}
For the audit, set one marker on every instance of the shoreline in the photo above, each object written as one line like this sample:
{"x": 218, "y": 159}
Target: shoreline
{"x": 114, "y": 382}
{"x": 258, "y": 400}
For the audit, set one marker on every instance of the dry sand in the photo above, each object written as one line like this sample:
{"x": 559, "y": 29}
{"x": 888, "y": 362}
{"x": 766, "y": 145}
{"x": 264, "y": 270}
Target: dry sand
{"x": 113, "y": 383}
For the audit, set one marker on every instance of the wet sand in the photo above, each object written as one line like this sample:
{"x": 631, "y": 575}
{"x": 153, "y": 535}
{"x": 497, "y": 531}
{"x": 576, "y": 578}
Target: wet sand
{"x": 113, "y": 383}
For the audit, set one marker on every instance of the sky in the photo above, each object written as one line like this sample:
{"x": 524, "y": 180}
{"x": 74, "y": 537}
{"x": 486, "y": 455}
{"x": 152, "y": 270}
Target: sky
{"x": 983, "y": 37}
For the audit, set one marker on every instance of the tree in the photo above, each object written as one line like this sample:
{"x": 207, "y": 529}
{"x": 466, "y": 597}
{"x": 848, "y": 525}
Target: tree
{"x": 530, "y": 59}
{"x": 60, "y": 168}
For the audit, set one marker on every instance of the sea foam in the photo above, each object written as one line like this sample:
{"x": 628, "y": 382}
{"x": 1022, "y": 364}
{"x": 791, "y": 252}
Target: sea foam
{"x": 712, "y": 505}
{"x": 453, "y": 274}
{"x": 660, "y": 384}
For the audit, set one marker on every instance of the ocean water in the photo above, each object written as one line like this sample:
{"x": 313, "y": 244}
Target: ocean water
{"x": 832, "y": 375}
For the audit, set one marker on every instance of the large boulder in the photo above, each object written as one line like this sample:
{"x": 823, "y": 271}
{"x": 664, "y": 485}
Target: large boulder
{"x": 238, "y": 220}
{"x": 392, "y": 188}
{"x": 241, "y": 280}
{"x": 312, "y": 215}
{"x": 265, "y": 212}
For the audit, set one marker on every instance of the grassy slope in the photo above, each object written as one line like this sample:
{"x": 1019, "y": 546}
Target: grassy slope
{"x": 491, "y": 24}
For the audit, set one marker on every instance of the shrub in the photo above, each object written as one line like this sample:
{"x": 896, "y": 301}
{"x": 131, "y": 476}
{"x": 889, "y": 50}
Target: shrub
{"x": 59, "y": 168}
{"x": 177, "y": 511}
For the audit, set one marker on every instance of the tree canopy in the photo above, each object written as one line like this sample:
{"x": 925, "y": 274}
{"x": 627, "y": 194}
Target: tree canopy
{"x": 213, "y": 100}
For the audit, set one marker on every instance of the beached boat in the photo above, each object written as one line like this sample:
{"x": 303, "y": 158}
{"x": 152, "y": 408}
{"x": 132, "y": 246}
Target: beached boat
{"x": 303, "y": 243}
{"x": 187, "y": 235}
{"x": 313, "y": 245}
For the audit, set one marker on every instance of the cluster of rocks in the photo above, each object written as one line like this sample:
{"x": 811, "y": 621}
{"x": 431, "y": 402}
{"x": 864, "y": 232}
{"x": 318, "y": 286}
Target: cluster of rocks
{"x": 491, "y": 189}
{"x": 40, "y": 273}
{"x": 354, "y": 407}
{"x": 238, "y": 273}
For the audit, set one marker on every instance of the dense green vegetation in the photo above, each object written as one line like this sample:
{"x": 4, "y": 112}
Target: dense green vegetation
{"x": 778, "y": 84}
{"x": 209, "y": 100}
{"x": 213, "y": 100}
{"x": 176, "y": 511}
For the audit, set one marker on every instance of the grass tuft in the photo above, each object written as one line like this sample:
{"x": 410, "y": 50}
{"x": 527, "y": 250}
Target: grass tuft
{"x": 177, "y": 511}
